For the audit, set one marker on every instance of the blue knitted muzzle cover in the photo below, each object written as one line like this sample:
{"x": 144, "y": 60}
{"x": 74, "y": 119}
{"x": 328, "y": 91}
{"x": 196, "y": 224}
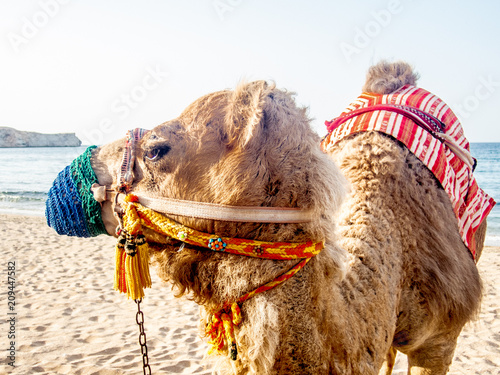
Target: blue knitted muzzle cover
{"x": 71, "y": 208}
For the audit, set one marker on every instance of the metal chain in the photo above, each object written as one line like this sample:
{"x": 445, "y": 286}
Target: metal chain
{"x": 139, "y": 318}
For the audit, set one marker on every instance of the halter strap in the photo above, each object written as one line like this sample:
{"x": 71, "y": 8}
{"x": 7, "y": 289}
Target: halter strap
{"x": 126, "y": 171}
{"x": 212, "y": 211}
{"x": 222, "y": 212}
{"x": 423, "y": 119}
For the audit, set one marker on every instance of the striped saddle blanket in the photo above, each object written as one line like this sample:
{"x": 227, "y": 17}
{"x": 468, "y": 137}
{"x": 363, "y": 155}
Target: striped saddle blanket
{"x": 431, "y": 131}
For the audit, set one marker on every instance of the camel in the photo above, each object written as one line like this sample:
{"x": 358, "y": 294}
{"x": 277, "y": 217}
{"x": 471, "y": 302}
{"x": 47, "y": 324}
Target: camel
{"x": 394, "y": 273}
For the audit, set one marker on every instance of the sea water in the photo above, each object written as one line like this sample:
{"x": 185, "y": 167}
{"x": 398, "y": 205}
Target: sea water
{"x": 26, "y": 175}
{"x": 487, "y": 174}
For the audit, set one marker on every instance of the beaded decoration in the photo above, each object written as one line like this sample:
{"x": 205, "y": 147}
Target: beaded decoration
{"x": 132, "y": 273}
{"x": 70, "y": 207}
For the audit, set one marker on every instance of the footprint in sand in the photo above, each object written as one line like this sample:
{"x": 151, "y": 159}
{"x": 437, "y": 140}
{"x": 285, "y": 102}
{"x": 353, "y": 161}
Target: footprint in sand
{"x": 107, "y": 351}
{"x": 73, "y": 357}
{"x": 67, "y": 311}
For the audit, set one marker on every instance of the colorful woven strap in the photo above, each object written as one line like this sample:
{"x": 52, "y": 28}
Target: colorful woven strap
{"x": 240, "y": 246}
{"x": 277, "y": 281}
{"x": 126, "y": 171}
{"x": 220, "y": 327}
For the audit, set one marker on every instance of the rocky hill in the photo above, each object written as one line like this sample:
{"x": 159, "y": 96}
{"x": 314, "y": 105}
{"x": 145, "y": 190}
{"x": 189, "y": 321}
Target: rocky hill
{"x": 10, "y": 137}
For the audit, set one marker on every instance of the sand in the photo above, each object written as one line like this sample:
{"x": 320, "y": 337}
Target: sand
{"x": 69, "y": 320}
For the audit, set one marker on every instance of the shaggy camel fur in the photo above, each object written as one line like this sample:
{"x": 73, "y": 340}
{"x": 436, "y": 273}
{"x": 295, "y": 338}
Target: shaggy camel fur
{"x": 394, "y": 273}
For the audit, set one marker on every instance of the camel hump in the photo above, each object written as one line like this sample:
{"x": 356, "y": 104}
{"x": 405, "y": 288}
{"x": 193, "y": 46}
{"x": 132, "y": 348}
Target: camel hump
{"x": 386, "y": 77}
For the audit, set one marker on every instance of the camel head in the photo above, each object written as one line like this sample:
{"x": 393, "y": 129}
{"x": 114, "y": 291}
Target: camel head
{"x": 252, "y": 146}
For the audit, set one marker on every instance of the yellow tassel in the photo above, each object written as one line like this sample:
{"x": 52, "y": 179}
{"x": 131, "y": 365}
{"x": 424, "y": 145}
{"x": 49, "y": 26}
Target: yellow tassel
{"x": 137, "y": 273}
{"x": 132, "y": 271}
{"x": 120, "y": 284}
{"x": 220, "y": 329}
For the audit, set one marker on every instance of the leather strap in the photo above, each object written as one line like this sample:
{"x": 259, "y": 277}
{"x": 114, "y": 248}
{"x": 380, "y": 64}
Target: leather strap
{"x": 212, "y": 211}
{"x": 200, "y": 210}
{"x": 223, "y": 212}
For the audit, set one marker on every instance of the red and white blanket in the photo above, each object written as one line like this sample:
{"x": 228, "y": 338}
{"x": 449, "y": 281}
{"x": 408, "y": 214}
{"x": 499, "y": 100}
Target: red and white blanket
{"x": 446, "y": 154}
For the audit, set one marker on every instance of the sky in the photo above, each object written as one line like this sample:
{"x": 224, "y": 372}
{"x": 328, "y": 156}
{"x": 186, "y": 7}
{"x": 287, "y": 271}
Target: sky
{"x": 99, "y": 68}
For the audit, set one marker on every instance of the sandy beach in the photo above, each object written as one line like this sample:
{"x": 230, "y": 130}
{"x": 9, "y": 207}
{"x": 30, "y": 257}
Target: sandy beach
{"x": 67, "y": 318}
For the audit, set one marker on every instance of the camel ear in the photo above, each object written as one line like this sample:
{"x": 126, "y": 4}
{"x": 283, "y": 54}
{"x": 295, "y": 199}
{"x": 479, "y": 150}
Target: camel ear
{"x": 245, "y": 112}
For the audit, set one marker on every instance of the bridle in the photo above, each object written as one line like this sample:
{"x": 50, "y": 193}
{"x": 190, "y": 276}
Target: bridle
{"x": 135, "y": 211}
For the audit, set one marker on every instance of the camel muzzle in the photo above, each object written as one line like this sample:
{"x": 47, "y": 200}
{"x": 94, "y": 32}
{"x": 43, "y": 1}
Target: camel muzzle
{"x": 70, "y": 207}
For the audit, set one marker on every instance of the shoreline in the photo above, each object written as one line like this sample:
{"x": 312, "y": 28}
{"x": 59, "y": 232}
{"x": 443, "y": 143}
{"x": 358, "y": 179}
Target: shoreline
{"x": 70, "y": 320}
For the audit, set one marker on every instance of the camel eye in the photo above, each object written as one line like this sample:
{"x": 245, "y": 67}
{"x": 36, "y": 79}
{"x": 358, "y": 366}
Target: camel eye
{"x": 152, "y": 154}
{"x": 156, "y": 153}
